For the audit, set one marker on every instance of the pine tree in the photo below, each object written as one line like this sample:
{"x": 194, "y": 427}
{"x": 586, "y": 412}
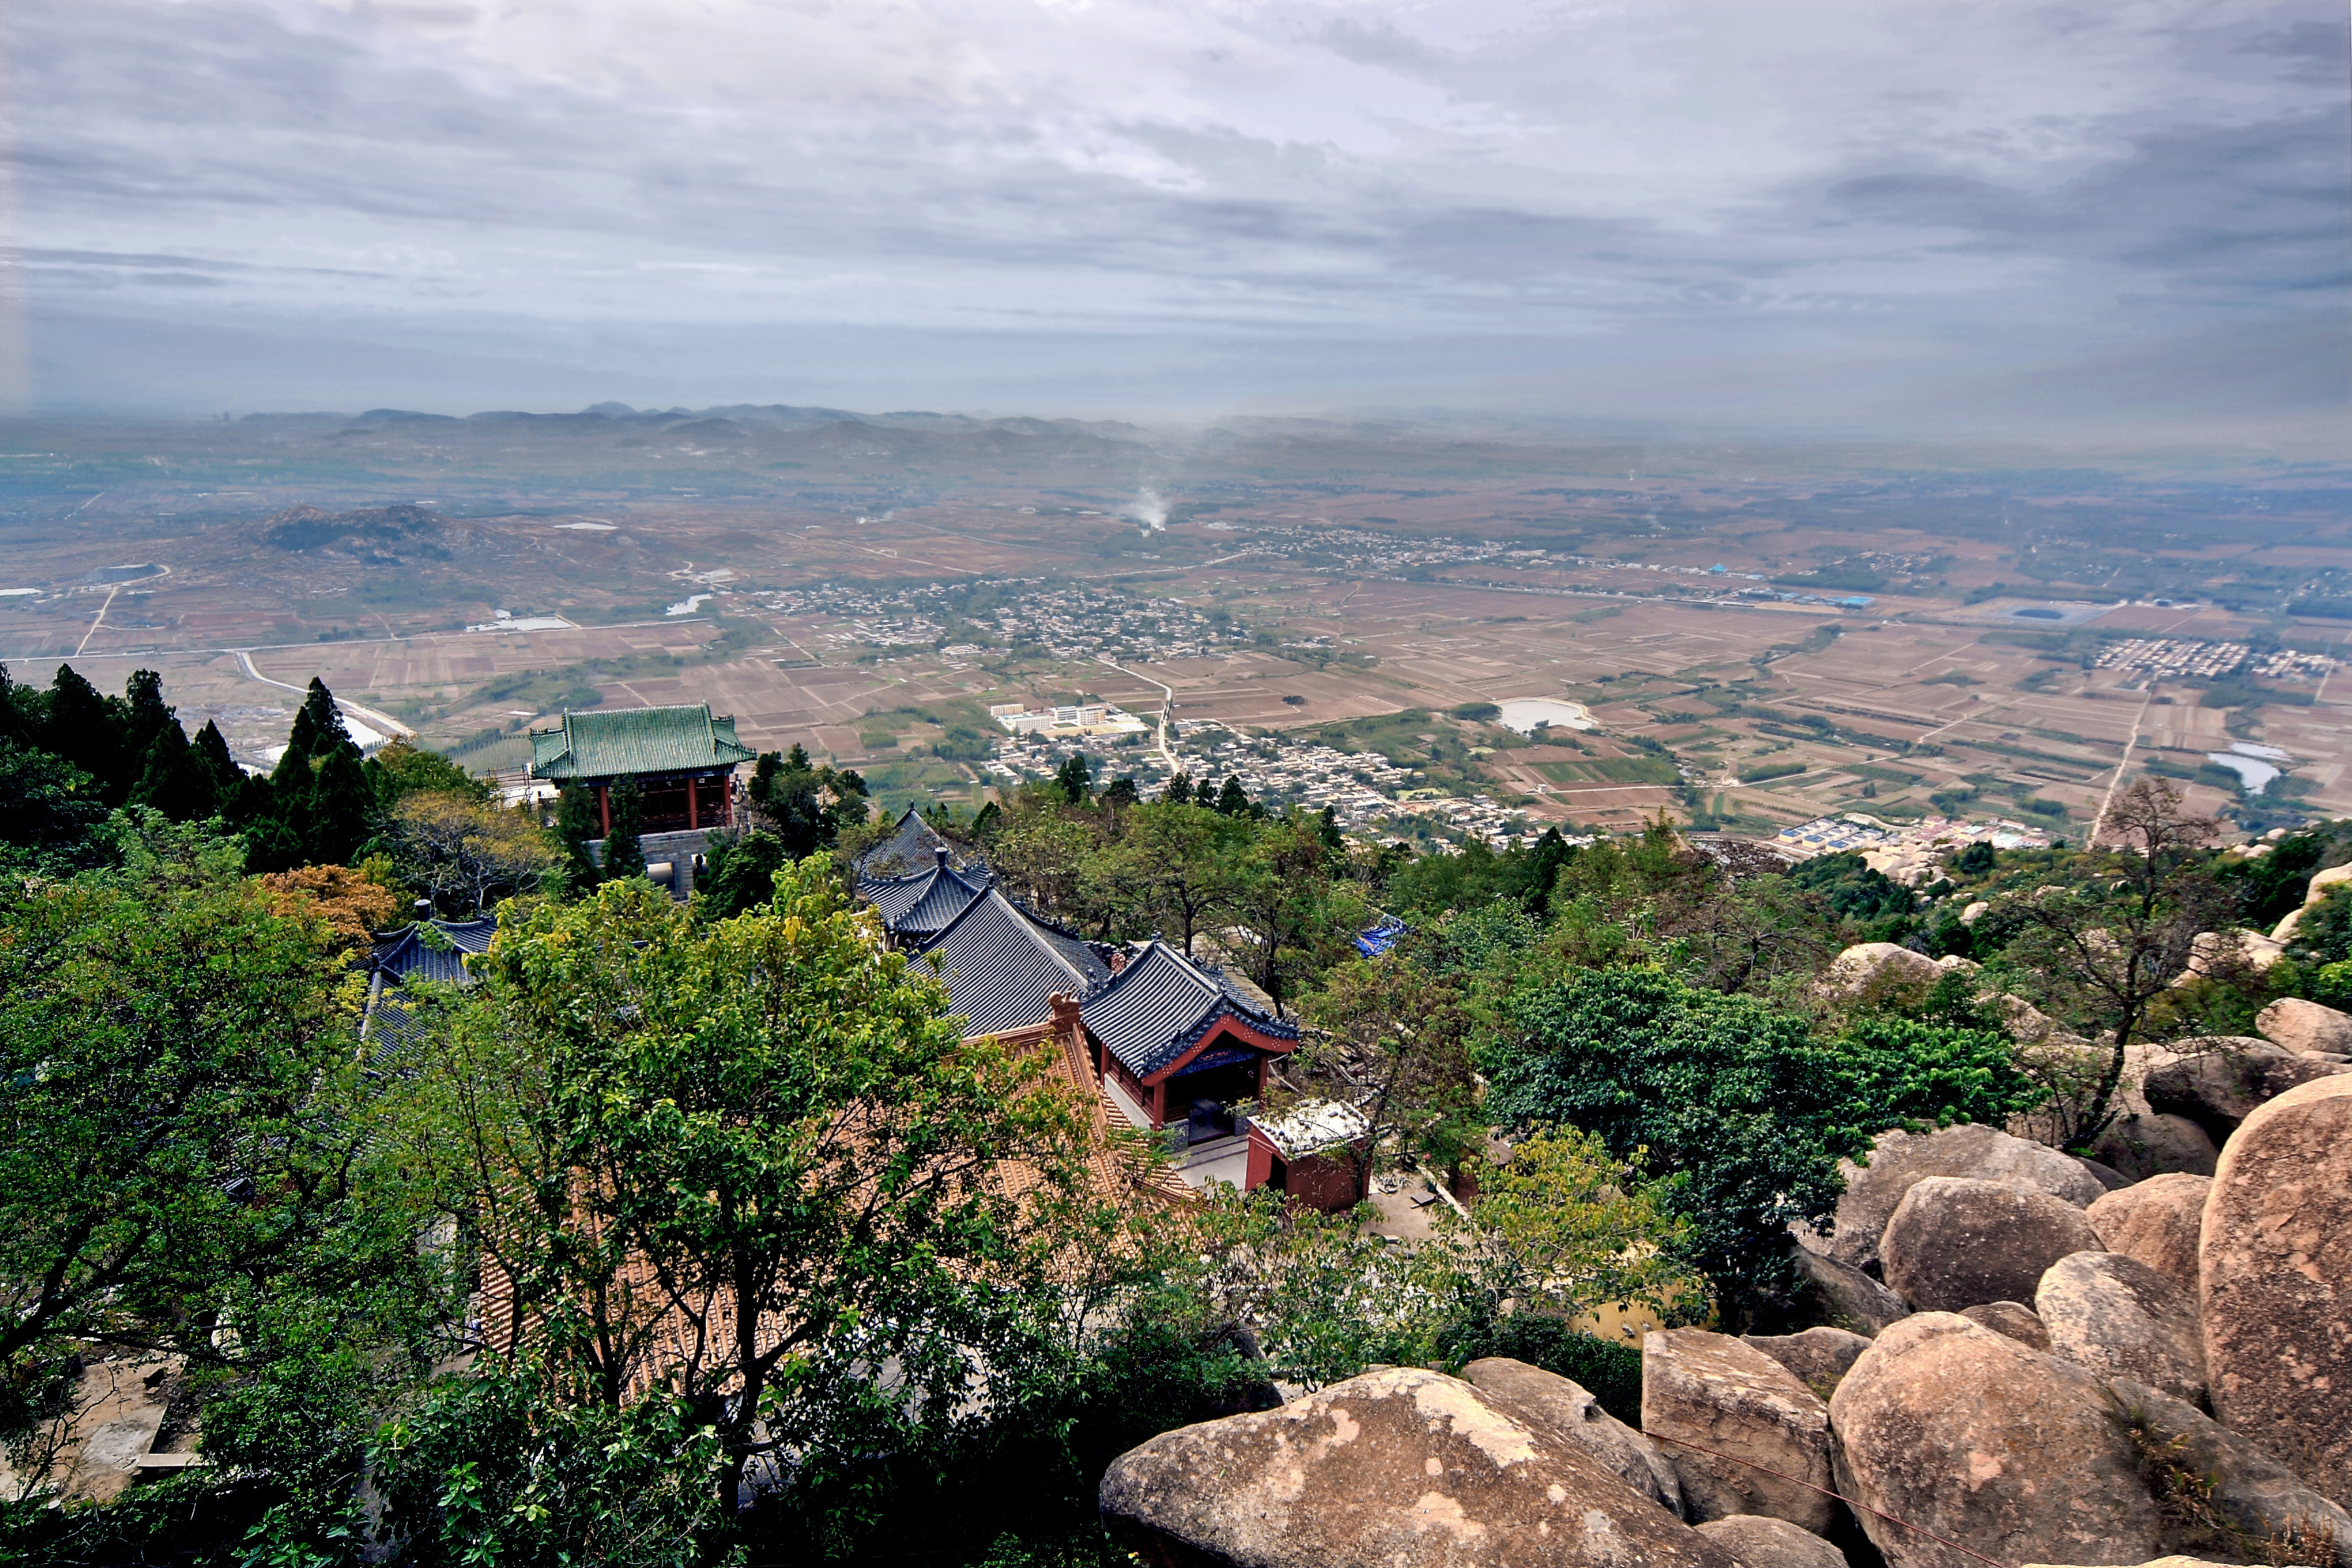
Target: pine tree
{"x": 327, "y": 727}
{"x": 578, "y": 824}
{"x": 20, "y": 711}
{"x": 175, "y": 780}
{"x": 87, "y": 730}
{"x": 342, "y": 809}
{"x": 212, "y": 747}
{"x": 147, "y": 714}
{"x": 624, "y": 855}
{"x": 1233, "y": 800}
{"x": 1074, "y": 777}
{"x": 1179, "y": 790}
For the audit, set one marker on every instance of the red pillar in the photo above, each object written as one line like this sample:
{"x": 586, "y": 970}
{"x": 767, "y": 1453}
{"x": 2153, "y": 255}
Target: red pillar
{"x": 605, "y": 806}
{"x": 693, "y": 802}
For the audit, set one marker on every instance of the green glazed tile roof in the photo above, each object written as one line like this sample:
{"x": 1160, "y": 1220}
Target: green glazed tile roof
{"x": 603, "y": 745}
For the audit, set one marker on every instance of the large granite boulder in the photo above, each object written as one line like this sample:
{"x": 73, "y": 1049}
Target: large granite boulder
{"x": 1727, "y": 1414}
{"x": 1397, "y": 1468}
{"x": 2276, "y": 1282}
{"x": 2156, "y": 1221}
{"x": 2217, "y": 1081}
{"x": 1899, "y": 1160}
{"x": 1879, "y": 970}
{"x": 1760, "y": 1541}
{"x": 2119, "y": 1318}
{"x": 1819, "y": 1356}
{"x": 2144, "y": 1143}
{"x": 1844, "y": 1297}
{"x": 1975, "y": 1438}
{"x": 1561, "y": 1408}
{"x": 2014, "y": 1318}
{"x": 1956, "y": 1242}
{"x": 2303, "y": 1027}
{"x": 2269, "y": 1509}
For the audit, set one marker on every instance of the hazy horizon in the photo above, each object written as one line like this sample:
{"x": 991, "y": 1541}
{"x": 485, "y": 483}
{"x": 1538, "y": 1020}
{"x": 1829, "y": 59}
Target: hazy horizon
{"x": 2111, "y": 225}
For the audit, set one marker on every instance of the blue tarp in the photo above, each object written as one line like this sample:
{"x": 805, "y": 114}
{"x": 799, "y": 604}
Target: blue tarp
{"x": 1377, "y": 939}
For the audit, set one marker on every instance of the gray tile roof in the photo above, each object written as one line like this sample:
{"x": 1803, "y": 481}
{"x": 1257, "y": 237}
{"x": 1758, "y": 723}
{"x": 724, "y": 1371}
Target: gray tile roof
{"x": 401, "y": 953}
{"x": 1149, "y": 1013}
{"x": 920, "y": 905}
{"x": 913, "y": 846}
{"x": 1001, "y": 968}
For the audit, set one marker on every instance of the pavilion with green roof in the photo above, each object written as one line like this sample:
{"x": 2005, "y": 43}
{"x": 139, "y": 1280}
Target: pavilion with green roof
{"x": 683, "y": 761}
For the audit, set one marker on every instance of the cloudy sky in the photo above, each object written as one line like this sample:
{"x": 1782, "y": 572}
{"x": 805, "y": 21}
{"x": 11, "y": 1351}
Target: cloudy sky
{"x": 1897, "y": 215}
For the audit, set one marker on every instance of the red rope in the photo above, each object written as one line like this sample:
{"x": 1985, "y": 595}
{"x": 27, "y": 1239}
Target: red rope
{"x": 1825, "y": 1491}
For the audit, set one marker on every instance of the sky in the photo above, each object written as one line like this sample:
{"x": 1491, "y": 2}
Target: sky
{"x": 2116, "y": 218}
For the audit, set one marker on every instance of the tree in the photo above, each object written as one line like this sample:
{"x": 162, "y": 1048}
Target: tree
{"x": 1232, "y": 800}
{"x": 742, "y": 874}
{"x": 1178, "y": 790}
{"x": 1121, "y": 792}
{"x": 624, "y": 856}
{"x": 2101, "y": 947}
{"x": 403, "y": 768}
{"x": 177, "y": 1079}
{"x": 341, "y": 813}
{"x": 1075, "y": 778}
{"x": 1396, "y": 1044}
{"x": 47, "y": 805}
{"x": 211, "y": 749}
{"x": 461, "y": 853}
{"x": 578, "y": 823}
{"x": 175, "y": 779}
{"x": 87, "y": 730}
{"x": 146, "y": 714}
{"x": 1296, "y": 917}
{"x": 755, "y": 1162}
{"x": 803, "y": 806}
{"x": 1171, "y": 871}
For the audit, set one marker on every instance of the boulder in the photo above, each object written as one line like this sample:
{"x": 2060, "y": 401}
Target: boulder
{"x": 1819, "y": 1357}
{"x": 2217, "y": 1081}
{"x": 2144, "y": 1143}
{"x": 2119, "y": 1318}
{"x": 2106, "y": 1176}
{"x": 1396, "y": 1469}
{"x": 2219, "y": 951}
{"x": 1979, "y": 1439}
{"x": 2276, "y": 1282}
{"x": 1900, "y": 1158}
{"x": 2321, "y": 881}
{"x": 2014, "y": 1318}
{"x": 2303, "y": 1026}
{"x": 1846, "y": 1296}
{"x": 2156, "y": 1221}
{"x": 1872, "y": 971}
{"x": 1975, "y": 911}
{"x": 1702, "y": 1391}
{"x": 2246, "y": 1491}
{"x": 1956, "y": 1241}
{"x": 1760, "y": 1541}
{"x": 1562, "y": 1409}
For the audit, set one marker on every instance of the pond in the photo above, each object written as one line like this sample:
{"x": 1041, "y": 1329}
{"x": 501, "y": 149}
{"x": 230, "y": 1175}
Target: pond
{"x": 2252, "y": 763}
{"x": 1523, "y": 713}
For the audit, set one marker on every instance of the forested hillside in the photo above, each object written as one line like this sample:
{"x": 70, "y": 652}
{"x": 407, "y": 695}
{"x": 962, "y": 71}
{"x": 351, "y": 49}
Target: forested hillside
{"x": 472, "y": 1288}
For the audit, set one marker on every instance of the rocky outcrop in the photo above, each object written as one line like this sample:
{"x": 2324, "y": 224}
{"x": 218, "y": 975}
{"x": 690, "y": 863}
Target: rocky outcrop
{"x": 2304, "y": 1027}
{"x": 2119, "y": 1318}
{"x": 2144, "y": 1143}
{"x": 1975, "y": 1438}
{"x": 1727, "y": 1414}
{"x": 1397, "y": 1469}
{"x": 1819, "y": 1357}
{"x": 2013, "y": 1319}
{"x": 1955, "y": 1241}
{"x": 2251, "y": 1502}
{"x": 2156, "y": 1221}
{"x": 1562, "y": 1409}
{"x": 1760, "y": 1541}
{"x": 1845, "y": 1296}
{"x": 1899, "y": 1160}
{"x": 1877, "y": 972}
{"x": 2217, "y": 1081}
{"x": 2276, "y": 1282}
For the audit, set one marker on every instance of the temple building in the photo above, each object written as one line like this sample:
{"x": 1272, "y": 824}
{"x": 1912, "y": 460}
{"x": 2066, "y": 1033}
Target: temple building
{"x": 1173, "y": 1045}
{"x": 682, "y": 760}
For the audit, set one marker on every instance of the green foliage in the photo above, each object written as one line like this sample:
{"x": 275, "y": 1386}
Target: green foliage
{"x": 1740, "y": 1109}
{"x": 48, "y": 807}
{"x": 1852, "y": 889}
{"x": 1074, "y": 778}
{"x": 625, "y": 854}
{"x": 2324, "y": 934}
{"x": 402, "y": 769}
{"x": 806, "y": 808}
{"x": 742, "y": 874}
{"x": 1610, "y": 1371}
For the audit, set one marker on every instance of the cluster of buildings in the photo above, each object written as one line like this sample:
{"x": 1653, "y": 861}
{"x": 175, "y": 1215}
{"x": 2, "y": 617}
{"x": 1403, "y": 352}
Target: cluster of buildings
{"x": 2289, "y": 665}
{"x": 1360, "y": 788}
{"x": 1088, "y": 721}
{"x": 1069, "y": 621}
{"x": 2175, "y": 658}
